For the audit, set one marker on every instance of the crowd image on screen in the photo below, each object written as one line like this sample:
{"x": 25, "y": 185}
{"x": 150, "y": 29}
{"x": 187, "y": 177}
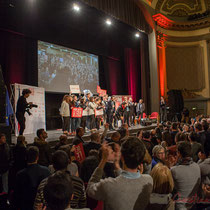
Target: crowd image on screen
{"x": 60, "y": 67}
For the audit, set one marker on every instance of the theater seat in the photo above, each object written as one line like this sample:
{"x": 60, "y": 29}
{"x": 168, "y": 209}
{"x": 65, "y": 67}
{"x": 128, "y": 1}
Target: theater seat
{"x": 154, "y": 115}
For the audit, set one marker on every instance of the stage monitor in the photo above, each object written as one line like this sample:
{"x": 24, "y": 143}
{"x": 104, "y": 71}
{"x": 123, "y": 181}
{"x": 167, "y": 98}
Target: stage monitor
{"x": 59, "y": 67}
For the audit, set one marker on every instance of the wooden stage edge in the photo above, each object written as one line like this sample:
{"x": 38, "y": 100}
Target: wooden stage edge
{"x": 53, "y": 135}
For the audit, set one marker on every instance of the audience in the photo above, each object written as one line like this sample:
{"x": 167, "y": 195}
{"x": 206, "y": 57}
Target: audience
{"x": 62, "y": 141}
{"x": 5, "y": 159}
{"x": 187, "y": 177}
{"x": 58, "y": 192}
{"x": 130, "y": 190}
{"x": 158, "y": 154}
{"x": 60, "y": 162}
{"x": 28, "y": 180}
{"x": 44, "y": 148}
{"x": 115, "y": 170}
{"x": 78, "y": 138}
{"x": 163, "y": 184}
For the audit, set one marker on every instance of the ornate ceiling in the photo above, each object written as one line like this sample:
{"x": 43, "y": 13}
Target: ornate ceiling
{"x": 179, "y": 8}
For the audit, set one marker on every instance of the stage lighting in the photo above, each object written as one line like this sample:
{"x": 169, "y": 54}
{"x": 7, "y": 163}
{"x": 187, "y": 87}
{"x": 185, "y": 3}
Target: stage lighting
{"x": 137, "y": 35}
{"x": 76, "y": 7}
{"x": 108, "y": 22}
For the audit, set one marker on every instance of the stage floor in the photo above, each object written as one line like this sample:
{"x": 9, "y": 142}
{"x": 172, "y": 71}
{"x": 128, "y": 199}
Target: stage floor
{"x": 53, "y": 135}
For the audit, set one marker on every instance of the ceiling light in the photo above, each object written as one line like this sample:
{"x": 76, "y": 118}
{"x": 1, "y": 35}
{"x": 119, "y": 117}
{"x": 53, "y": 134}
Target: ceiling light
{"x": 137, "y": 35}
{"x": 108, "y": 22}
{"x": 76, "y": 7}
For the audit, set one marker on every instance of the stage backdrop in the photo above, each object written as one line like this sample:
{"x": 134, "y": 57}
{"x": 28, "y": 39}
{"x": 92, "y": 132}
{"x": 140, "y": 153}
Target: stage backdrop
{"x": 37, "y": 119}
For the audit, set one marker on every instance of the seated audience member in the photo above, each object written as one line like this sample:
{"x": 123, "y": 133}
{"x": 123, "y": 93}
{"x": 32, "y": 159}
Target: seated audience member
{"x": 201, "y": 133}
{"x": 130, "y": 190}
{"x": 205, "y": 165}
{"x": 72, "y": 167}
{"x": 186, "y": 128}
{"x": 115, "y": 137}
{"x": 95, "y": 143}
{"x": 174, "y": 131}
{"x": 196, "y": 147}
{"x": 147, "y": 142}
{"x": 166, "y": 137}
{"x": 5, "y": 159}
{"x": 158, "y": 154}
{"x": 19, "y": 154}
{"x": 147, "y": 163}
{"x": 109, "y": 168}
{"x": 58, "y": 192}
{"x": 79, "y": 134}
{"x": 139, "y": 134}
{"x": 87, "y": 168}
{"x": 45, "y": 153}
{"x": 153, "y": 137}
{"x": 28, "y": 180}
{"x": 60, "y": 162}
{"x": 163, "y": 184}
{"x": 62, "y": 141}
{"x": 186, "y": 175}
{"x": 205, "y": 127}
{"x": 123, "y": 134}
{"x": 178, "y": 138}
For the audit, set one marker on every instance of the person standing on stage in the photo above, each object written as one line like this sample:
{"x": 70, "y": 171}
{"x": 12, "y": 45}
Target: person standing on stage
{"x": 162, "y": 109}
{"x": 92, "y": 106}
{"x": 22, "y": 107}
{"x": 140, "y": 108}
{"x": 127, "y": 112}
{"x": 65, "y": 113}
{"x": 132, "y": 106}
{"x": 110, "y": 111}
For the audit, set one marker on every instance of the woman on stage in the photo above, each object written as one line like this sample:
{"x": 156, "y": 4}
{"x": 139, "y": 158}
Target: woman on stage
{"x": 65, "y": 113}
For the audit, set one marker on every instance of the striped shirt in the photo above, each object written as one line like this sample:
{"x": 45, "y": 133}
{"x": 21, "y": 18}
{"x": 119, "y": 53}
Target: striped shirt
{"x": 78, "y": 201}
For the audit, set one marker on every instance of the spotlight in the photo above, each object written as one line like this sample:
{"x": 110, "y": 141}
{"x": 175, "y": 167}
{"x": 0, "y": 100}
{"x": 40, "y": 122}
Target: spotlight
{"x": 76, "y": 7}
{"x": 137, "y": 35}
{"x": 108, "y": 22}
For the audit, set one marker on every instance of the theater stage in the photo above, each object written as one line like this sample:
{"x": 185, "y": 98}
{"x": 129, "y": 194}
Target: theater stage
{"x": 53, "y": 135}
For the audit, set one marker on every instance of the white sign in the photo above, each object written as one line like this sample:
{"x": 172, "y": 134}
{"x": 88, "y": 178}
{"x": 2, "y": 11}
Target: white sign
{"x": 37, "y": 119}
{"x": 99, "y": 112}
{"x": 74, "y": 88}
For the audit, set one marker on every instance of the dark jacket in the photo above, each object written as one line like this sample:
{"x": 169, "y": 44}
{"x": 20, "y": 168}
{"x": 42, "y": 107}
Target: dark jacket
{"x": 27, "y": 182}
{"x": 4, "y": 158}
{"x": 19, "y": 155}
{"x": 89, "y": 146}
{"x": 77, "y": 140}
{"x": 45, "y": 153}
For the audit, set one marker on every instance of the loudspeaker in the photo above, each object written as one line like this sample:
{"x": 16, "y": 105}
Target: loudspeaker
{"x": 145, "y": 122}
{"x": 5, "y": 129}
{"x": 175, "y": 101}
{"x": 2, "y": 98}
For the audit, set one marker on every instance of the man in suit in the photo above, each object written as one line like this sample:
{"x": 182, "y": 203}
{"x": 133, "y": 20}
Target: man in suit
{"x": 140, "y": 108}
{"x": 110, "y": 111}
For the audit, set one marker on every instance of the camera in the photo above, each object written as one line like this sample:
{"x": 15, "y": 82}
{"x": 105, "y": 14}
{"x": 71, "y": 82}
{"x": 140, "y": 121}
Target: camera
{"x": 34, "y": 105}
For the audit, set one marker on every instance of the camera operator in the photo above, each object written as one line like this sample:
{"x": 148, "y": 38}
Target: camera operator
{"x": 22, "y": 107}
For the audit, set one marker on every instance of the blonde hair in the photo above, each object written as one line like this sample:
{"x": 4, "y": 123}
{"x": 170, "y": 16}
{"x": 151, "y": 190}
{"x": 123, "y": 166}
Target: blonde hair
{"x": 65, "y": 97}
{"x": 163, "y": 182}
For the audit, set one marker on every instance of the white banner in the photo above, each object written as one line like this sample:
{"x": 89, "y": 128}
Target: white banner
{"x": 37, "y": 119}
{"x": 99, "y": 112}
{"x": 74, "y": 88}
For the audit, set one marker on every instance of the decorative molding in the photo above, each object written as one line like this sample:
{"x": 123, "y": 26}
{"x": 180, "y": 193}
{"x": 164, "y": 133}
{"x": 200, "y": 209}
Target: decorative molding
{"x": 182, "y": 8}
{"x": 166, "y": 23}
{"x": 161, "y": 39}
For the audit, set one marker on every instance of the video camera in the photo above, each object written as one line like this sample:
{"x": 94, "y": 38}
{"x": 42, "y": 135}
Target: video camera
{"x": 30, "y": 107}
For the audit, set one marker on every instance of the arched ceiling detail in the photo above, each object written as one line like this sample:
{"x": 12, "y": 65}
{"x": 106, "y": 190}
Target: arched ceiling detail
{"x": 179, "y": 8}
